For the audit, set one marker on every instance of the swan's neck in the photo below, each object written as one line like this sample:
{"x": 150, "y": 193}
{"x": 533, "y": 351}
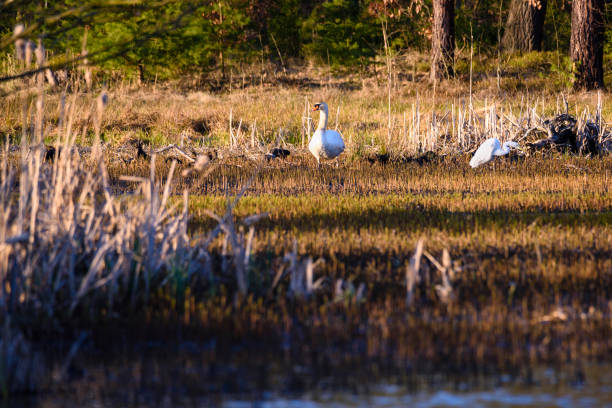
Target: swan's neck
{"x": 322, "y": 120}
{"x": 504, "y": 150}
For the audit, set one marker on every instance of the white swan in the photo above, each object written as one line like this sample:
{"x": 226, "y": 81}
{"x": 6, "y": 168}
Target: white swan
{"x": 325, "y": 143}
{"x": 489, "y": 149}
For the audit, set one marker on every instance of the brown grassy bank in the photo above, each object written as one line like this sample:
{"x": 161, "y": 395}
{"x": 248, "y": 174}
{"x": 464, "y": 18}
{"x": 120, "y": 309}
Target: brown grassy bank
{"x": 515, "y": 268}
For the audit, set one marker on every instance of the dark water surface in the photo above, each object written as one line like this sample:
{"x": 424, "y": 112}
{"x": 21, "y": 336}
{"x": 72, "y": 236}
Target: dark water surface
{"x": 210, "y": 375}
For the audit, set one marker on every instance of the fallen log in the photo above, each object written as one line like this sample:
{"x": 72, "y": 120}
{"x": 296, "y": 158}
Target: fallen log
{"x": 565, "y": 133}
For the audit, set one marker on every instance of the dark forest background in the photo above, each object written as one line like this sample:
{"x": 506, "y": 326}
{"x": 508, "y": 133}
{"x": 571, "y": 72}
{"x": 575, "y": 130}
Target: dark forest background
{"x": 172, "y": 38}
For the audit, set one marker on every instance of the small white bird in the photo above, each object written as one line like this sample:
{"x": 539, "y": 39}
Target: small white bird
{"x": 325, "y": 143}
{"x": 489, "y": 149}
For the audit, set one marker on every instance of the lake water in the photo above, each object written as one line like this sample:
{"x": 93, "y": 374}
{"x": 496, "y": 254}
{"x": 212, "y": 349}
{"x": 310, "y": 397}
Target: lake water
{"x": 207, "y": 375}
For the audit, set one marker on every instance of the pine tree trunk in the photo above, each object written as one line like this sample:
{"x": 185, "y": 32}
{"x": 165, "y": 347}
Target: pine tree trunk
{"x": 140, "y": 74}
{"x": 586, "y": 43}
{"x": 443, "y": 39}
{"x": 523, "y": 29}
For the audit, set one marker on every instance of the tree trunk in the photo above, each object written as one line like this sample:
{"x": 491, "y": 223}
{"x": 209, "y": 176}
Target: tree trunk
{"x": 586, "y": 43}
{"x": 442, "y": 39}
{"x": 141, "y": 75}
{"x": 523, "y": 29}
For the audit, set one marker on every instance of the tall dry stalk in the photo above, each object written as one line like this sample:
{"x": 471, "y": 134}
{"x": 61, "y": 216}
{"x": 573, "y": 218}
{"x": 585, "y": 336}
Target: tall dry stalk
{"x": 388, "y": 63}
{"x": 86, "y": 67}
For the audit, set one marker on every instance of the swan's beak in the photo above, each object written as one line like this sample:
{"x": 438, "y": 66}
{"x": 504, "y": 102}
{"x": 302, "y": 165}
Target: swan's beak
{"x": 316, "y": 108}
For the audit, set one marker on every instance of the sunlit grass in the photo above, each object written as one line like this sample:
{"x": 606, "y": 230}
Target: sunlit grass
{"x": 278, "y": 111}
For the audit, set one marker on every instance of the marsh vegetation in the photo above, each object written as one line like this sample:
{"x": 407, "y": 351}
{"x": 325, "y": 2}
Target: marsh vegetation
{"x": 407, "y": 265}
{"x": 167, "y": 239}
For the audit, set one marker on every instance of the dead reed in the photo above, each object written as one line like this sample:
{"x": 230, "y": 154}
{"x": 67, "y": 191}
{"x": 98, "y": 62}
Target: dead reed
{"x": 71, "y": 250}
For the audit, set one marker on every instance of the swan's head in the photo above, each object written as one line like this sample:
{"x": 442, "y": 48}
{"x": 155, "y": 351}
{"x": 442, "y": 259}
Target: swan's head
{"x": 511, "y": 145}
{"x": 320, "y": 106}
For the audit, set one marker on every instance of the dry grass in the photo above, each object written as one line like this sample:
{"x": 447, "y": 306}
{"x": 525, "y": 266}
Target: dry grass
{"x": 72, "y": 252}
{"x": 528, "y": 263}
{"x": 513, "y": 266}
{"x": 444, "y": 118}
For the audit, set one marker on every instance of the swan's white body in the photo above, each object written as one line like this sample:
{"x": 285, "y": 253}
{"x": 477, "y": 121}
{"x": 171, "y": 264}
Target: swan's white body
{"x": 489, "y": 149}
{"x": 325, "y": 143}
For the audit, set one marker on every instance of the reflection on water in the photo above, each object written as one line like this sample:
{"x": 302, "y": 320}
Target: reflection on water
{"x": 193, "y": 375}
{"x": 493, "y": 398}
